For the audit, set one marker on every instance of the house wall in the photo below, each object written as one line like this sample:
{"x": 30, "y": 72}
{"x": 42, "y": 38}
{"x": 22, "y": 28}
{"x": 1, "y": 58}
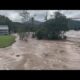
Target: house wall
{"x": 4, "y": 30}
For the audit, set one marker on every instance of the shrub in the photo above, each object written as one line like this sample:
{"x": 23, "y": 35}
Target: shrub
{"x": 39, "y": 34}
{"x": 33, "y": 35}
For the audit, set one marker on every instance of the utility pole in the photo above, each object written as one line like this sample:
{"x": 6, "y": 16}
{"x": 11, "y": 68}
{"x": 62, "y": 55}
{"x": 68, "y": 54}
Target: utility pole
{"x": 46, "y": 16}
{"x": 33, "y": 24}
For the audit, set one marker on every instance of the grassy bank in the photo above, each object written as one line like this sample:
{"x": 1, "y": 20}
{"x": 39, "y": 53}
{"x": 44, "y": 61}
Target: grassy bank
{"x": 6, "y": 41}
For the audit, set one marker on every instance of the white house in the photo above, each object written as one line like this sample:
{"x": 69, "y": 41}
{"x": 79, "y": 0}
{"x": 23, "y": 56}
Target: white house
{"x": 4, "y": 29}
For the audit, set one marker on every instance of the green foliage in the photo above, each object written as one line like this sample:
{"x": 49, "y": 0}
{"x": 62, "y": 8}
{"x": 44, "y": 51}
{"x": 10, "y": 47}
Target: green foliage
{"x": 39, "y": 34}
{"x": 42, "y": 33}
{"x": 51, "y": 29}
{"x": 74, "y": 24}
{"x": 52, "y": 36}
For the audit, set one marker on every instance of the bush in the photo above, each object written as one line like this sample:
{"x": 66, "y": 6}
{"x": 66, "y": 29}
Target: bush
{"x": 49, "y": 36}
{"x": 52, "y": 36}
{"x": 39, "y": 35}
{"x": 33, "y": 35}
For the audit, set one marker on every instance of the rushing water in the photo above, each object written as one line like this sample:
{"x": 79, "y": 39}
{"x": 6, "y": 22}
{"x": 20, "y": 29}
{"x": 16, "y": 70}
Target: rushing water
{"x": 73, "y": 33}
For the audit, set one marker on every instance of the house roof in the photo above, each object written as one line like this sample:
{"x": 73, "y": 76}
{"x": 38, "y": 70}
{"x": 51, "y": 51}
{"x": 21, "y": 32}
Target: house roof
{"x": 3, "y": 27}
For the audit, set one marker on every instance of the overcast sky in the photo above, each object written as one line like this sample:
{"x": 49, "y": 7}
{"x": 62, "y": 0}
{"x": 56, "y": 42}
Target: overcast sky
{"x": 14, "y": 14}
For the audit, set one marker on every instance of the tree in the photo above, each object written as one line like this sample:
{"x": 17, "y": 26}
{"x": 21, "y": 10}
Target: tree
{"x": 53, "y": 28}
{"x": 61, "y": 24}
{"x": 6, "y": 21}
{"x": 25, "y": 18}
{"x": 25, "y": 15}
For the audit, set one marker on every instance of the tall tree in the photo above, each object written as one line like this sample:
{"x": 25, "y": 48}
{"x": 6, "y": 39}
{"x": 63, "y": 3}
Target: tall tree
{"x": 25, "y": 15}
{"x": 53, "y": 28}
{"x": 61, "y": 23}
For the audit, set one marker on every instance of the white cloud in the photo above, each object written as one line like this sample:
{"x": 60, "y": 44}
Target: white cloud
{"x": 40, "y": 14}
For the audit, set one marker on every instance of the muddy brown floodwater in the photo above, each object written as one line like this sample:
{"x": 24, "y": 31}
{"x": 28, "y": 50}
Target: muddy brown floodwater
{"x": 40, "y": 55}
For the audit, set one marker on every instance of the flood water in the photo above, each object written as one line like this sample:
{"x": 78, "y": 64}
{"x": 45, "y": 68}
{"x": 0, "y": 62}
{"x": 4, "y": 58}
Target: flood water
{"x": 73, "y": 33}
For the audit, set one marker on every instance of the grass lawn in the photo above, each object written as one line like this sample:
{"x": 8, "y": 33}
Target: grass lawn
{"x": 6, "y": 41}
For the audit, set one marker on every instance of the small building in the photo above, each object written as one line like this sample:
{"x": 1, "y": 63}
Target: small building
{"x": 4, "y": 30}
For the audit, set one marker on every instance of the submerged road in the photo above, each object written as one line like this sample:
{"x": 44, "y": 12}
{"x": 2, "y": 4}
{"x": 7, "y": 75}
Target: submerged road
{"x": 39, "y": 55}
